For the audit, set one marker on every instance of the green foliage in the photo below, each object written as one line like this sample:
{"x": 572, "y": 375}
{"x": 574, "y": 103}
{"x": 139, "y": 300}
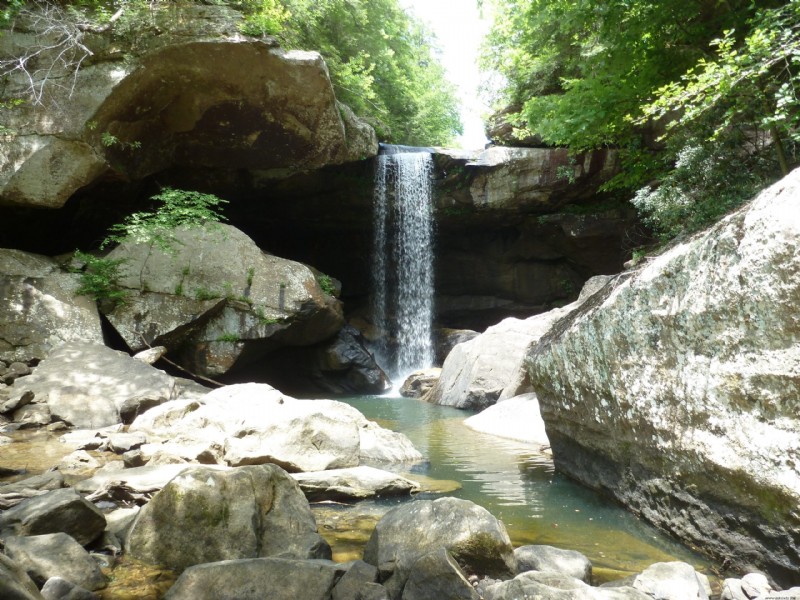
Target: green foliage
{"x": 578, "y": 70}
{"x": 178, "y": 209}
{"x": 231, "y": 338}
{"x": 202, "y": 293}
{"x": 99, "y": 277}
{"x": 383, "y": 65}
{"x": 264, "y": 17}
{"x": 708, "y": 180}
{"x": 749, "y": 84}
{"x": 720, "y": 78}
{"x": 326, "y": 283}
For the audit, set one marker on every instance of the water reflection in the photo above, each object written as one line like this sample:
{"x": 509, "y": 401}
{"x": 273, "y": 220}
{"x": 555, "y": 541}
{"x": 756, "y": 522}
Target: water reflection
{"x": 519, "y": 485}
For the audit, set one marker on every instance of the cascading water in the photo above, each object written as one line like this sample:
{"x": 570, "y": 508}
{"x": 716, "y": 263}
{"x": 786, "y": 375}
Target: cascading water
{"x": 402, "y": 298}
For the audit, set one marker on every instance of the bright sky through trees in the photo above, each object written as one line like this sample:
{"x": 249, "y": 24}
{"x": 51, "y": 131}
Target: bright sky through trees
{"x": 459, "y": 30}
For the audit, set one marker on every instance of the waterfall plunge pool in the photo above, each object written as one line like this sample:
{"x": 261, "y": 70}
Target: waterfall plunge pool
{"x": 514, "y": 482}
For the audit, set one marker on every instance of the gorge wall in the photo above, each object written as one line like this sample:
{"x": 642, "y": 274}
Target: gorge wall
{"x": 189, "y": 102}
{"x": 675, "y": 389}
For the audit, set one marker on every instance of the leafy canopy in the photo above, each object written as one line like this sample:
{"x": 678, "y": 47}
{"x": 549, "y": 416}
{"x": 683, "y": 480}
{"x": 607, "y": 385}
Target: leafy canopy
{"x": 699, "y": 96}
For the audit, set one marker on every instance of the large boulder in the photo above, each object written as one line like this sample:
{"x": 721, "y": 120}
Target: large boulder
{"x": 89, "y": 385}
{"x": 250, "y": 424}
{"x": 257, "y": 578}
{"x": 164, "y": 97}
{"x": 41, "y": 308}
{"x": 206, "y": 515}
{"x": 490, "y": 367}
{"x": 675, "y": 389}
{"x": 474, "y": 538}
{"x": 215, "y": 297}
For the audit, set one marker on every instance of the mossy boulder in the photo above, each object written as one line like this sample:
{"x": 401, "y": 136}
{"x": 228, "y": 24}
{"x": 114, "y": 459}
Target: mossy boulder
{"x": 206, "y": 515}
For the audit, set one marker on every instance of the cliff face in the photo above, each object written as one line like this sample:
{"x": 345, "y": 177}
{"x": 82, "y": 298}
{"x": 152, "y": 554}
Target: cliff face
{"x": 180, "y": 98}
{"x": 676, "y": 388}
{"x": 184, "y": 89}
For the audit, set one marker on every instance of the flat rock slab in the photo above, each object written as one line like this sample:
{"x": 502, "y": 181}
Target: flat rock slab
{"x": 61, "y": 510}
{"x": 90, "y": 386}
{"x": 140, "y": 479}
{"x": 516, "y": 418}
{"x": 256, "y": 579}
{"x": 355, "y": 483}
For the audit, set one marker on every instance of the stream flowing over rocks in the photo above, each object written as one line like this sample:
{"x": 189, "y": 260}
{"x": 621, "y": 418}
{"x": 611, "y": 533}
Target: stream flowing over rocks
{"x": 675, "y": 389}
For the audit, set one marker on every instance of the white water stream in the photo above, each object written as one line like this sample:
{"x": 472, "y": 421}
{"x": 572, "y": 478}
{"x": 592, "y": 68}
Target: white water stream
{"x": 402, "y": 275}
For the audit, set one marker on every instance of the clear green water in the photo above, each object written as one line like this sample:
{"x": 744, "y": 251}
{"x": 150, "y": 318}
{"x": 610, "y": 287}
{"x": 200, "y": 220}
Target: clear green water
{"x": 516, "y": 484}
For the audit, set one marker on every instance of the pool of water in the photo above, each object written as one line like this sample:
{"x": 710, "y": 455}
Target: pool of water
{"x": 512, "y": 480}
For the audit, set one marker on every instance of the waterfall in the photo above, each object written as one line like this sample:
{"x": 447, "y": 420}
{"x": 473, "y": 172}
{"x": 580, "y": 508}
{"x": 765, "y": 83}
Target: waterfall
{"x": 402, "y": 276}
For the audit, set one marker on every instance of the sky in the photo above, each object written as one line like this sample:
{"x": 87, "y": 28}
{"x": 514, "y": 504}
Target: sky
{"x": 459, "y": 31}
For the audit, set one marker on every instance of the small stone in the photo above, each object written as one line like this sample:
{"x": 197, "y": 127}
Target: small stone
{"x": 57, "y": 588}
{"x": 55, "y": 555}
{"x": 548, "y": 558}
{"x": 57, "y": 426}
{"x": 151, "y": 355}
{"x": 133, "y": 458}
{"x": 755, "y": 584}
{"x": 32, "y": 415}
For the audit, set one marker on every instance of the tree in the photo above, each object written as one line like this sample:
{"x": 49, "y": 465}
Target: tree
{"x": 717, "y": 78}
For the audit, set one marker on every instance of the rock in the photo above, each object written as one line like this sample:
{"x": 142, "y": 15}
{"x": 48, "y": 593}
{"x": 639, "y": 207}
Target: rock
{"x": 556, "y": 586}
{"x": 732, "y": 590}
{"x": 516, "y": 418}
{"x": 344, "y": 365}
{"x": 12, "y": 404}
{"x": 144, "y": 479}
{"x": 352, "y": 583}
{"x": 141, "y": 98}
{"x": 672, "y": 390}
{"x": 354, "y": 483}
{"x": 55, "y": 555}
{"x": 755, "y": 584}
{"x": 41, "y": 310}
{"x": 57, "y": 588}
{"x": 420, "y": 383}
{"x": 151, "y": 355}
{"x": 15, "y": 583}
{"x": 217, "y": 297}
{"x": 14, "y": 371}
{"x": 548, "y": 558}
{"x": 32, "y": 415}
{"x": 62, "y": 510}
{"x": 206, "y": 515}
{"x": 475, "y": 539}
{"x": 91, "y": 386}
{"x": 255, "y": 579}
{"x": 12, "y": 494}
{"x": 542, "y": 586}
{"x": 78, "y": 462}
{"x": 437, "y": 575}
{"x": 125, "y": 442}
{"x": 380, "y": 446}
{"x": 444, "y": 340}
{"x": 673, "y": 581}
{"x": 491, "y": 367}
{"x": 255, "y": 424}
